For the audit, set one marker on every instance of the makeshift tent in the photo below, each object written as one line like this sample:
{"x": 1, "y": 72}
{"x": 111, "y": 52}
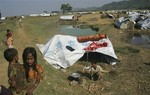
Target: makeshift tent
{"x": 64, "y": 50}
{"x": 67, "y": 17}
{"x": 123, "y": 23}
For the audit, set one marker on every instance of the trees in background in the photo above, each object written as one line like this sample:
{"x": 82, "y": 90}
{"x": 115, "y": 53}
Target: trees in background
{"x": 66, "y": 8}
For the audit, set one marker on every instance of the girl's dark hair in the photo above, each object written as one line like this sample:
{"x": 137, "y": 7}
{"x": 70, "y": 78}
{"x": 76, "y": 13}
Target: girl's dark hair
{"x": 10, "y": 53}
{"x": 27, "y": 51}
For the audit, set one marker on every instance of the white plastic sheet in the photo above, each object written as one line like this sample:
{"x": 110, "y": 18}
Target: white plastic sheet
{"x": 64, "y": 50}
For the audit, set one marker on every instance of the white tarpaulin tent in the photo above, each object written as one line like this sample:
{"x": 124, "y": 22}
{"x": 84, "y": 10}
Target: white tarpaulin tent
{"x": 67, "y": 17}
{"x": 144, "y": 24}
{"x": 64, "y": 50}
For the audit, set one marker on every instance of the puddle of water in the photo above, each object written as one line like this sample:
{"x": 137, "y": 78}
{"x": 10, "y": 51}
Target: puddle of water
{"x": 141, "y": 40}
{"x": 76, "y": 31}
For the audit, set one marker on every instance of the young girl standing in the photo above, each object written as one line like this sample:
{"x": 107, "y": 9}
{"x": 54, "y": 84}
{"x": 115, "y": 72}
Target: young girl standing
{"x": 33, "y": 70}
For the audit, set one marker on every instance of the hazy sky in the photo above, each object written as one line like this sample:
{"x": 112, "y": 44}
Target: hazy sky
{"x": 26, "y": 7}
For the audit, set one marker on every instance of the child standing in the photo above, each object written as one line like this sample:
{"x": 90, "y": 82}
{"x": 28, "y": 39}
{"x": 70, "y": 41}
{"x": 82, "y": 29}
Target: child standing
{"x": 33, "y": 70}
{"x": 9, "y": 42}
{"x": 16, "y": 73}
{"x": 9, "y": 39}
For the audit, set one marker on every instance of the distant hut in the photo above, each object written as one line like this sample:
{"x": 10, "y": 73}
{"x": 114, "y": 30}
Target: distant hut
{"x": 68, "y": 17}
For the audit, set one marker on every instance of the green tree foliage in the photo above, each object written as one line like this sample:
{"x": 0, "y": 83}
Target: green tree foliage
{"x": 66, "y": 8}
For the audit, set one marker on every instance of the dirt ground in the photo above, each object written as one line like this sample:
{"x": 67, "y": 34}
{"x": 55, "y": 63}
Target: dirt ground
{"x": 131, "y": 76}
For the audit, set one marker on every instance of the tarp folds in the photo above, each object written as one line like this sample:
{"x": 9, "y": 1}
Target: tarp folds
{"x": 138, "y": 20}
{"x": 64, "y": 50}
{"x": 144, "y": 24}
{"x": 123, "y": 23}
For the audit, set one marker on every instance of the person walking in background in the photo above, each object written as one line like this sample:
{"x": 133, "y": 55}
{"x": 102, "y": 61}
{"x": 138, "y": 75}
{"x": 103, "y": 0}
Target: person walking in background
{"x": 33, "y": 70}
{"x": 20, "y": 21}
{"x": 16, "y": 75}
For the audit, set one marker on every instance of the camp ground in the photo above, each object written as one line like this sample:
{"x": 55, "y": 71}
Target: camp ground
{"x": 129, "y": 76}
